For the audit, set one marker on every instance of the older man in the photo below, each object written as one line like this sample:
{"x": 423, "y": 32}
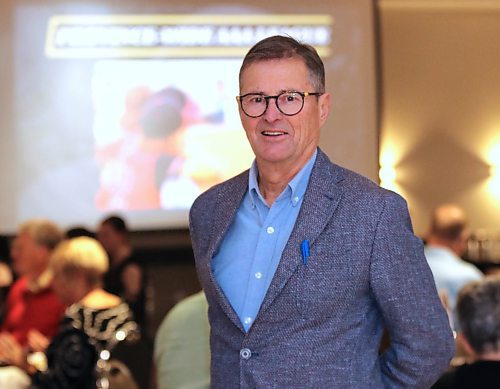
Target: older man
{"x": 31, "y": 302}
{"x": 303, "y": 262}
{"x": 446, "y": 243}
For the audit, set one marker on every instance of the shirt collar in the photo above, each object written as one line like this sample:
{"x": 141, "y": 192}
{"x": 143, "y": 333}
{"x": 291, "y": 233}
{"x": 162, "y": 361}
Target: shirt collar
{"x": 297, "y": 185}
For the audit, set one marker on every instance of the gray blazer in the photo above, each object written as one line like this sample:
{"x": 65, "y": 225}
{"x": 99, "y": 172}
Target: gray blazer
{"x": 320, "y": 324}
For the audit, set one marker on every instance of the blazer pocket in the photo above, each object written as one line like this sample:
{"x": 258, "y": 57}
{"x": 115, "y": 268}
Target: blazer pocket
{"x": 324, "y": 285}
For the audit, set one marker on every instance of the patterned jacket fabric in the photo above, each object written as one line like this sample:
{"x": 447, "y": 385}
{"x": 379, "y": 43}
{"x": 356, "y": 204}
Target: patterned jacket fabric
{"x": 321, "y": 323}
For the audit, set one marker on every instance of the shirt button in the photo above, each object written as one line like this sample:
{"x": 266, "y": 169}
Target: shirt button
{"x": 270, "y": 230}
{"x": 295, "y": 200}
{"x": 258, "y": 275}
{"x": 245, "y": 353}
{"x": 248, "y": 320}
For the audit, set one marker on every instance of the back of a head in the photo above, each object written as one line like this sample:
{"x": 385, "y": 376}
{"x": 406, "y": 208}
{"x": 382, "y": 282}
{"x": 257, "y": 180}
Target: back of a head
{"x": 478, "y": 310}
{"x": 448, "y": 223}
{"x": 281, "y": 47}
{"x": 81, "y": 254}
{"x": 44, "y": 232}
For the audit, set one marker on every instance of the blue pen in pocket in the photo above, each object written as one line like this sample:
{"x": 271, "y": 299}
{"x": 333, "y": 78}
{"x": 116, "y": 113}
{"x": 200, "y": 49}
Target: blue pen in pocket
{"x": 305, "y": 251}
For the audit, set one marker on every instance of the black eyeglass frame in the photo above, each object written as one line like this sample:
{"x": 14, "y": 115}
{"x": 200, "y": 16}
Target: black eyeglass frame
{"x": 303, "y": 94}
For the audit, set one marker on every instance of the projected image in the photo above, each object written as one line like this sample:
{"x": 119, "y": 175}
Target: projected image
{"x": 164, "y": 131}
{"x": 131, "y": 113}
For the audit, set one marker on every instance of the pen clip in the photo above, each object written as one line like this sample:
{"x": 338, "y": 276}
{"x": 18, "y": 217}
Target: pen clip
{"x": 305, "y": 250}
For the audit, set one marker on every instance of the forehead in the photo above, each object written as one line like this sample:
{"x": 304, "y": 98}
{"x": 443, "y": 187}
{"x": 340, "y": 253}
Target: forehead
{"x": 23, "y": 238}
{"x": 275, "y": 75}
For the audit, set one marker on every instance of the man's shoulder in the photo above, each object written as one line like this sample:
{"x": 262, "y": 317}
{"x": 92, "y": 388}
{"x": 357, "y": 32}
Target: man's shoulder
{"x": 480, "y": 374}
{"x": 235, "y": 184}
{"x": 343, "y": 175}
{"x": 354, "y": 186}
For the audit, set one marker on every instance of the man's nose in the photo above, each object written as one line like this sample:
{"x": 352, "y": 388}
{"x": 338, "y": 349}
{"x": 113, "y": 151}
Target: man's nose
{"x": 272, "y": 112}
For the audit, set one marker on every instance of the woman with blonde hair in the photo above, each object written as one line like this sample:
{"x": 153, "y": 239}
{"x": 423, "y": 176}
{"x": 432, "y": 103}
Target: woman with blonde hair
{"x": 94, "y": 323}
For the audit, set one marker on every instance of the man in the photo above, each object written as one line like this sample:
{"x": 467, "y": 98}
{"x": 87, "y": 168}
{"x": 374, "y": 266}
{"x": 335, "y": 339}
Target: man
{"x": 126, "y": 275}
{"x": 31, "y": 302}
{"x": 478, "y": 312}
{"x": 304, "y": 263}
{"x": 446, "y": 243}
{"x": 181, "y": 351}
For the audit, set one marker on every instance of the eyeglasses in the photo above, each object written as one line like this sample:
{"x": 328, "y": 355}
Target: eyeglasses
{"x": 289, "y": 103}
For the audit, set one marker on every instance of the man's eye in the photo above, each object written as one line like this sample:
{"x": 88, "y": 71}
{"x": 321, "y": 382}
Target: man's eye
{"x": 291, "y": 97}
{"x": 255, "y": 99}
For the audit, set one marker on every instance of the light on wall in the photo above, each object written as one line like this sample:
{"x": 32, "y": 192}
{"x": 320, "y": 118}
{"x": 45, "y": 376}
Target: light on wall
{"x": 387, "y": 172}
{"x": 494, "y": 161}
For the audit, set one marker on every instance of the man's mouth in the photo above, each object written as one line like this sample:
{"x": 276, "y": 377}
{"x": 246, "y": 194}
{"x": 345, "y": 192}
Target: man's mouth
{"x": 273, "y": 133}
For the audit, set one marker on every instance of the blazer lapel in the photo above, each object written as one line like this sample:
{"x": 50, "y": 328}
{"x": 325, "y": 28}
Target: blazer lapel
{"x": 226, "y": 207}
{"x": 320, "y": 201}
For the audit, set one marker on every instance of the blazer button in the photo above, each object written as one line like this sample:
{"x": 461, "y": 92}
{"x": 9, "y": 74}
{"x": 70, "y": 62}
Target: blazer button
{"x": 245, "y": 353}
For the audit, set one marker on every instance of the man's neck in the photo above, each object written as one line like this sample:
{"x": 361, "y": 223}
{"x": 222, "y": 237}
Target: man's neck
{"x": 492, "y": 356}
{"x": 274, "y": 177}
{"x": 442, "y": 244}
{"x": 122, "y": 253}
{"x": 271, "y": 186}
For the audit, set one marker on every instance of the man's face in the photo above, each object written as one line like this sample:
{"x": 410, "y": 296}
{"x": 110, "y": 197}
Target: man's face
{"x": 275, "y": 137}
{"x": 108, "y": 237}
{"x": 28, "y": 257}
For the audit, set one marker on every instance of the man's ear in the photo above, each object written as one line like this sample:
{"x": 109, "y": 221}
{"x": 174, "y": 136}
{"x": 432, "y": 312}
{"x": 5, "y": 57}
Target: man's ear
{"x": 324, "y": 107}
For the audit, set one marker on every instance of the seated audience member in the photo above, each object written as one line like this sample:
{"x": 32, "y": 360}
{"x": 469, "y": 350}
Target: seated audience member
{"x": 182, "y": 351}
{"x": 478, "y": 311}
{"x": 31, "y": 303}
{"x": 126, "y": 274}
{"x": 94, "y": 324}
{"x": 445, "y": 244}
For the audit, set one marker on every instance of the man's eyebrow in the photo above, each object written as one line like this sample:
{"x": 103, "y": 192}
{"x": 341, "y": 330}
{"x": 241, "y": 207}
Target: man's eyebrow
{"x": 264, "y": 94}
{"x": 254, "y": 93}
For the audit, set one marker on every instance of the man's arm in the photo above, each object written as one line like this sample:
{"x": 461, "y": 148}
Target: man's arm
{"x": 420, "y": 336}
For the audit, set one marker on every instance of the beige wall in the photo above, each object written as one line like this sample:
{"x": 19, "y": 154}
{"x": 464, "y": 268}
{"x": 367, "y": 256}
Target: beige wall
{"x": 441, "y": 105}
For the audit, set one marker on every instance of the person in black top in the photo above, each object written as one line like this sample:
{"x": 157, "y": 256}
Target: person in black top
{"x": 478, "y": 310}
{"x": 95, "y": 323}
{"x": 126, "y": 274}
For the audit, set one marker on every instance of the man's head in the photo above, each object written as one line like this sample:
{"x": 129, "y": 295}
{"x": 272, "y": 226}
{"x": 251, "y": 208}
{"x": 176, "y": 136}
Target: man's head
{"x": 478, "y": 310}
{"x": 449, "y": 228}
{"x": 113, "y": 234}
{"x": 273, "y": 66}
{"x": 33, "y": 245}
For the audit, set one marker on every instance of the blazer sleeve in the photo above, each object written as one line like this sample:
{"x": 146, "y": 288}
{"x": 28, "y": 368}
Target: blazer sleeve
{"x": 421, "y": 341}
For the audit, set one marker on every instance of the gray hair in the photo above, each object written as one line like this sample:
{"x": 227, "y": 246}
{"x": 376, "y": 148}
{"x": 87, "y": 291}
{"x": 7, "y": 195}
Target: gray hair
{"x": 478, "y": 310}
{"x": 279, "y": 47}
{"x": 44, "y": 232}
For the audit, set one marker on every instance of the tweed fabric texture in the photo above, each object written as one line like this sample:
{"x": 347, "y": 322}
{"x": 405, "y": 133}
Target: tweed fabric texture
{"x": 320, "y": 324}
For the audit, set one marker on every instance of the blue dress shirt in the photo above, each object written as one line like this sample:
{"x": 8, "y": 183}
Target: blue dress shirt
{"x": 251, "y": 250}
